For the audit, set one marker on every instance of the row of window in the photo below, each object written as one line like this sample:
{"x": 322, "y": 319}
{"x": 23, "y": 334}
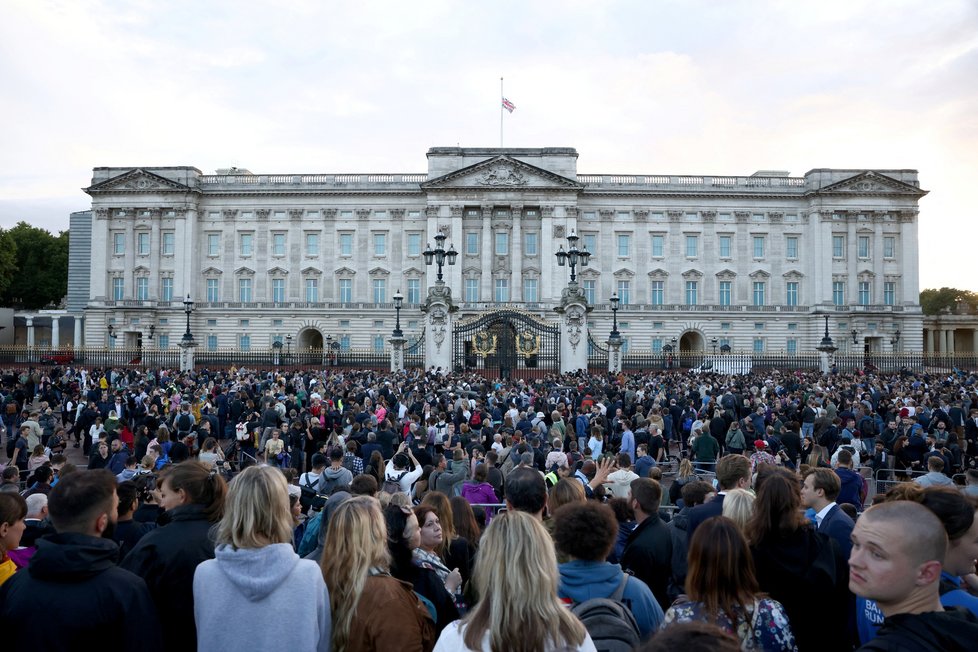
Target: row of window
{"x": 167, "y": 243}
{"x": 863, "y": 246}
{"x": 758, "y": 345}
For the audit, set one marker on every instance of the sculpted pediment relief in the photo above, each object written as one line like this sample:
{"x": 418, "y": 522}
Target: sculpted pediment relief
{"x": 872, "y": 183}
{"x": 278, "y": 271}
{"x": 138, "y": 180}
{"x": 501, "y": 173}
{"x": 345, "y": 271}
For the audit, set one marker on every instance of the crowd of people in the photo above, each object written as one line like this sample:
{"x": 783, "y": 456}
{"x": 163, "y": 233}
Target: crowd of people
{"x": 359, "y": 510}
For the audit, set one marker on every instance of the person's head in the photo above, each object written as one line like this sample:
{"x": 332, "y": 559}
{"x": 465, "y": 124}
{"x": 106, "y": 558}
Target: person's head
{"x": 403, "y": 536}
{"x": 432, "y": 536}
{"x": 336, "y": 457}
{"x": 567, "y": 490}
{"x": 257, "y": 511}
{"x": 686, "y": 468}
{"x": 585, "y": 530}
{"x": 209, "y": 444}
{"x": 738, "y": 506}
{"x": 821, "y": 487}
{"x": 695, "y": 493}
{"x": 193, "y": 483}
{"x": 466, "y": 525}
{"x": 721, "y": 569}
{"x": 13, "y": 511}
{"x": 11, "y": 474}
{"x": 481, "y": 473}
{"x": 318, "y": 462}
{"x": 516, "y": 575}
{"x": 356, "y": 538}
{"x": 103, "y": 448}
{"x": 526, "y": 491}
{"x": 935, "y": 464}
{"x": 646, "y": 496}
{"x": 693, "y": 636}
{"x": 845, "y": 458}
{"x": 85, "y": 503}
{"x": 37, "y": 506}
{"x": 364, "y": 485}
{"x": 128, "y": 494}
{"x": 733, "y": 472}
{"x": 777, "y": 507}
{"x": 43, "y": 474}
{"x": 898, "y": 548}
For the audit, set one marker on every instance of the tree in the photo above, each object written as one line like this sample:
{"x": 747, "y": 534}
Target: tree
{"x": 932, "y": 302}
{"x": 8, "y": 260}
{"x": 40, "y": 276}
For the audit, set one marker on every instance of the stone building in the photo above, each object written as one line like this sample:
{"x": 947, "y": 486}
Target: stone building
{"x": 753, "y": 262}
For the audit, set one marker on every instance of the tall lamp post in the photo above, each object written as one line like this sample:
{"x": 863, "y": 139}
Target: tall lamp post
{"x": 573, "y": 256}
{"x": 714, "y": 342}
{"x": 188, "y": 309}
{"x": 439, "y": 255}
{"x": 398, "y": 300}
{"x": 615, "y": 335}
{"x": 826, "y": 348}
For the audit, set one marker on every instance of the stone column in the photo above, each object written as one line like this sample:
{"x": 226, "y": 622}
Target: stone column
{"x": 974, "y": 341}
{"x": 950, "y": 341}
{"x": 614, "y": 355}
{"x": 929, "y": 342}
{"x": 78, "y": 332}
{"x": 187, "y": 350}
{"x": 397, "y": 353}
{"x": 55, "y": 332}
{"x": 573, "y": 311}
{"x": 30, "y": 332}
{"x": 438, "y": 309}
{"x": 516, "y": 254}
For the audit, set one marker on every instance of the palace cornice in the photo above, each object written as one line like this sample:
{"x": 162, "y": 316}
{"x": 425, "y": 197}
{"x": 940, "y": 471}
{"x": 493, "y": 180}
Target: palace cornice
{"x": 617, "y": 192}
{"x": 315, "y": 193}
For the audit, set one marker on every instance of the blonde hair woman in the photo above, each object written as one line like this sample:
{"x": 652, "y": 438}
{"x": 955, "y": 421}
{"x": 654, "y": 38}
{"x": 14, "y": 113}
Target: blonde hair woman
{"x": 738, "y": 506}
{"x": 516, "y": 575}
{"x": 245, "y": 598}
{"x": 371, "y": 609}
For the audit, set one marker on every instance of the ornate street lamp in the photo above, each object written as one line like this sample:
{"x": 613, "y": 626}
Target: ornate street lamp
{"x": 439, "y": 255}
{"x": 112, "y": 332}
{"x": 714, "y": 342}
{"x": 572, "y": 256}
{"x": 896, "y": 338}
{"x": 855, "y": 336}
{"x": 188, "y": 308}
{"x": 398, "y": 300}
{"x": 615, "y": 335}
{"x": 288, "y": 344}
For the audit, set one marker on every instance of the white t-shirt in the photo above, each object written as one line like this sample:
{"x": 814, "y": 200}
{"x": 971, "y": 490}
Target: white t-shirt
{"x": 451, "y": 641}
{"x": 309, "y": 479}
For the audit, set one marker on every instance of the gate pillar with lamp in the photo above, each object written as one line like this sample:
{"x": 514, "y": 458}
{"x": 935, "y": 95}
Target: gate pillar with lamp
{"x": 439, "y": 309}
{"x": 573, "y": 309}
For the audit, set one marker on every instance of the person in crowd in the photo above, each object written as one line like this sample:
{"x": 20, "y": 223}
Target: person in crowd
{"x": 853, "y": 488}
{"x": 129, "y": 531}
{"x": 431, "y": 546}
{"x": 694, "y": 493}
{"x": 77, "y": 565}
{"x": 648, "y": 551}
{"x": 467, "y": 525}
{"x": 210, "y": 453}
{"x": 797, "y": 566}
{"x": 13, "y": 512}
{"x": 935, "y": 474}
{"x": 898, "y": 549}
{"x": 722, "y": 589}
{"x": 516, "y": 574}
{"x": 619, "y": 482}
{"x": 684, "y": 476}
{"x": 733, "y": 472}
{"x": 257, "y": 593}
{"x": 192, "y": 496}
{"x": 478, "y": 491}
{"x": 585, "y": 533}
{"x": 819, "y": 491}
{"x": 738, "y": 506}
{"x": 372, "y": 611}
{"x": 403, "y": 538}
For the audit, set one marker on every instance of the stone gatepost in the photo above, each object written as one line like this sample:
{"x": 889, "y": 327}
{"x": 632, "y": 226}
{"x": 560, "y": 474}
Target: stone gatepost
{"x": 614, "y": 355}
{"x": 438, "y": 334}
{"x": 573, "y": 311}
{"x": 187, "y": 350}
{"x": 397, "y": 353}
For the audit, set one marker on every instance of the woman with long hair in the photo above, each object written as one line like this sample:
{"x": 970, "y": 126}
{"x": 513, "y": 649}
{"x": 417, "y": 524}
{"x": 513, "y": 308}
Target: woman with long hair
{"x": 798, "y": 566}
{"x": 454, "y": 550}
{"x": 819, "y": 457}
{"x": 516, "y": 575}
{"x": 192, "y": 496}
{"x": 245, "y": 597}
{"x": 465, "y": 522}
{"x": 13, "y": 511}
{"x": 428, "y": 552}
{"x": 403, "y": 537}
{"x": 684, "y": 476}
{"x": 375, "y": 467}
{"x": 371, "y": 609}
{"x": 722, "y": 589}
{"x": 738, "y": 506}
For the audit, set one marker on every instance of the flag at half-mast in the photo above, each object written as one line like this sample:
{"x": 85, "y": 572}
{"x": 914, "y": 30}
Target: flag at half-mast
{"x": 509, "y": 106}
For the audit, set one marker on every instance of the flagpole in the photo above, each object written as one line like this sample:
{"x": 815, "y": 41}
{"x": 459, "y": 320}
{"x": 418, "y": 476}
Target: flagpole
{"x": 501, "y": 96}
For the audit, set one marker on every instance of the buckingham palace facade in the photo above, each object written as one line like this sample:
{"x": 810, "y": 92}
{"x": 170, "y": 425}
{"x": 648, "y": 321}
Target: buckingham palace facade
{"x": 753, "y": 262}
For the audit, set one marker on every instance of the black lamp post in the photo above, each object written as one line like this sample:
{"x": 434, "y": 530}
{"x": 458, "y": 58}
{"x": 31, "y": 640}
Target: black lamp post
{"x": 439, "y": 255}
{"x": 398, "y": 300}
{"x": 615, "y": 335}
{"x": 573, "y": 256}
{"x": 714, "y": 342}
{"x": 152, "y": 331}
{"x": 855, "y": 336}
{"x": 288, "y": 344}
{"x": 112, "y": 332}
{"x": 896, "y": 338}
{"x": 188, "y": 308}
{"x": 827, "y": 342}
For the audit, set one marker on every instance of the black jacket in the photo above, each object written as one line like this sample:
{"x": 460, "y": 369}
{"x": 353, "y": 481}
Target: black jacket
{"x": 167, "y": 558}
{"x": 648, "y": 556}
{"x": 954, "y": 630}
{"x": 101, "y": 606}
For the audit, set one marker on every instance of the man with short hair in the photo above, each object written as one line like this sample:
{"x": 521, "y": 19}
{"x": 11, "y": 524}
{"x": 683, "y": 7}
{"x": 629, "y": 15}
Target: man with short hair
{"x": 853, "y": 489}
{"x": 733, "y": 472}
{"x": 336, "y": 475}
{"x": 619, "y": 482}
{"x": 819, "y": 491}
{"x": 935, "y": 474}
{"x": 77, "y": 566}
{"x": 643, "y": 461}
{"x": 898, "y": 549}
{"x": 526, "y": 491}
{"x": 648, "y": 550}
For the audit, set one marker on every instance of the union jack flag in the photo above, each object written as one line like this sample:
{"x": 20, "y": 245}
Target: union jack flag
{"x": 509, "y": 106}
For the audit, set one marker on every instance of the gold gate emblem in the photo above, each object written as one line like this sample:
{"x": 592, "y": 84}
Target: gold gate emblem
{"x": 484, "y": 343}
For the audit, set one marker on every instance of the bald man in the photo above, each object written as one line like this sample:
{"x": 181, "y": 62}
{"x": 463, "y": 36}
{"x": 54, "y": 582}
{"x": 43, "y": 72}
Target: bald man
{"x": 897, "y": 552}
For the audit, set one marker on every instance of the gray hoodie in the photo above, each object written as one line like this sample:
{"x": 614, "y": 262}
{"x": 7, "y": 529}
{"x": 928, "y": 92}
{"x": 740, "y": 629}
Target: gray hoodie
{"x": 332, "y": 478}
{"x": 261, "y": 598}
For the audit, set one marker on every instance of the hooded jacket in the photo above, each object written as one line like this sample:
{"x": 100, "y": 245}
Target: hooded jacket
{"x": 955, "y": 630}
{"x": 77, "y": 570}
{"x": 332, "y": 478}
{"x": 582, "y": 580}
{"x": 261, "y": 599}
{"x": 167, "y": 558}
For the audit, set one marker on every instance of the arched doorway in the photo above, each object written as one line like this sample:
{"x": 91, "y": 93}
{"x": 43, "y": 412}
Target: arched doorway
{"x": 691, "y": 341}
{"x": 310, "y": 338}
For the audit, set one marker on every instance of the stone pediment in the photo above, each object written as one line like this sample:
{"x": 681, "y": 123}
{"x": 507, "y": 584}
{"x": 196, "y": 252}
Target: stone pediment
{"x": 278, "y": 271}
{"x": 345, "y": 271}
{"x": 872, "y": 183}
{"x": 311, "y": 271}
{"x": 244, "y": 271}
{"x": 501, "y": 173}
{"x": 211, "y": 271}
{"x": 138, "y": 180}
{"x": 379, "y": 271}
{"x": 658, "y": 273}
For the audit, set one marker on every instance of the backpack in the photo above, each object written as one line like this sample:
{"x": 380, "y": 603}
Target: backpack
{"x": 309, "y": 498}
{"x": 609, "y": 622}
{"x": 184, "y": 424}
{"x": 393, "y": 485}
{"x": 867, "y": 426}
{"x": 476, "y": 419}
{"x": 687, "y": 424}
{"x": 12, "y": 407}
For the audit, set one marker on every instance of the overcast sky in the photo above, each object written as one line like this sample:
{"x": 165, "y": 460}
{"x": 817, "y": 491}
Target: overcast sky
{"x": 651, "y": 86}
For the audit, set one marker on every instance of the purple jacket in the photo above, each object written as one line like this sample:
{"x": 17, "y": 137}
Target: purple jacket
{"x": 480, "y": 494}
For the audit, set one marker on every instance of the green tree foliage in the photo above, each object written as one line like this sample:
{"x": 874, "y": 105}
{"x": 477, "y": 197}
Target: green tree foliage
{"x": 8, "y": 261}
{"x": 932, "y": 302}
{"x": 40, "y": 267}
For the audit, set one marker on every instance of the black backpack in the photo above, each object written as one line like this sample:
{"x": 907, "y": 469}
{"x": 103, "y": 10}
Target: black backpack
{"x": 393, "y": 485}
{"x": 609, "y": 622}
{"x": 310, "y": 498}
{"x": 184, "y": 424}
